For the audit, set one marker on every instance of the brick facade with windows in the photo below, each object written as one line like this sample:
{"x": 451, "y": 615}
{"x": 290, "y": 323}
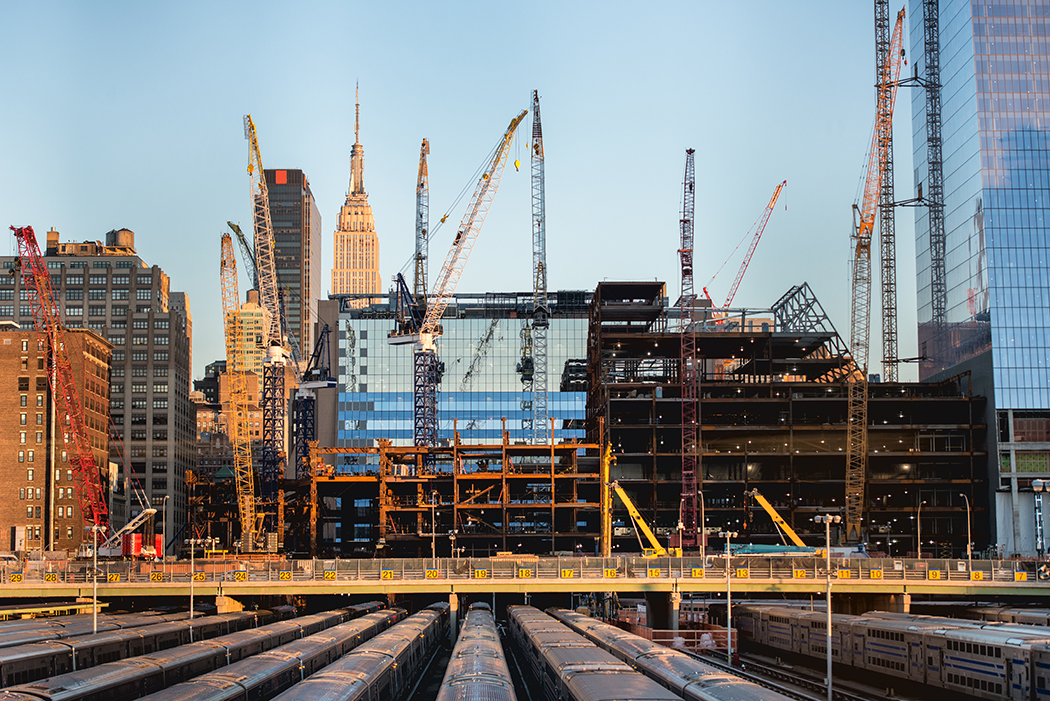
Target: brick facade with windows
{"x": 36, "y": 480}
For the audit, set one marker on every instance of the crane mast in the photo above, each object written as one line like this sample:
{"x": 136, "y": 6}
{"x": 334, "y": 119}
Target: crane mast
{"x": 541, "y": 428}
{"x": 266, "y": 268}
{"x": 689, "y": 370}
{"x": 887, "y": 223}
{"x": 422, "y": 225}
{"x": 69, "y": 410}
{"x": 857, "y": 424}
{"x": 425, "y": 364}
{"x": 237, "y": 423}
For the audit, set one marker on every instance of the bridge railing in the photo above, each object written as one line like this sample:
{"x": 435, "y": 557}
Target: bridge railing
{"x": 544, "y": 568}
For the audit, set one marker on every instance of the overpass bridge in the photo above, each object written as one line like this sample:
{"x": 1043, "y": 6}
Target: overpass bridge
{"x": 526, "y": 575}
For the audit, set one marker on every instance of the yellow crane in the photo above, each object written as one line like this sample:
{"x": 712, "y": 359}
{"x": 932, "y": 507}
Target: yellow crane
{"x": 777, "y": 518}
{"x": 237, "y": 423}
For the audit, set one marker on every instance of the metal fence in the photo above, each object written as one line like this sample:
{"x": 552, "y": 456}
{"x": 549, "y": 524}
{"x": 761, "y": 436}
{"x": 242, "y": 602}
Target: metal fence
{"x": 586, "y": 568}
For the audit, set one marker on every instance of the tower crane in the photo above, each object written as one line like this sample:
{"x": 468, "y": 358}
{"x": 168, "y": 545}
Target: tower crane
{"x": 277, "y": 353}
{"x": 86, "y": 473}
{"x": 237, "y": 423}
{"x": 541, "y": 427}
{"x": 690, "y": 366}
{"x": 759, "y": 227}
{"x": 860, "y": 317}
{"x": 425, "y": 364}
{"x": 317, "y": 375}
{"x": 422, "y": 225}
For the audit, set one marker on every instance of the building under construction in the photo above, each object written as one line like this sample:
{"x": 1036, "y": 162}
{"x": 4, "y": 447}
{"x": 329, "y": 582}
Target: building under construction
{"x": 773, "y": 417}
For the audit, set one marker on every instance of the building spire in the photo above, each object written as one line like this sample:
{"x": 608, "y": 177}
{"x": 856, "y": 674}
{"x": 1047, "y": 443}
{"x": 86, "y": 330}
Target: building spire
{"x": 357, "y": 151}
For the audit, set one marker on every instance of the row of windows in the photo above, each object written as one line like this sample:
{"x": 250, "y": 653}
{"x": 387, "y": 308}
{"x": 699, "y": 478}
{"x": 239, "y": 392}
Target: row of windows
{"x": 137, "y": 340}
{"x": 140, "y": 388}
{"x": 62, "y": 511}
{"x": 118, "y": 403}
{"x": 982, "y": 684}
{"x": 974, "y": 648}
{"x": 160, "y": 356}
{"x": 885, "y": 635}
{"x": 57, "y": 264}
{"x": 887, "y": 664}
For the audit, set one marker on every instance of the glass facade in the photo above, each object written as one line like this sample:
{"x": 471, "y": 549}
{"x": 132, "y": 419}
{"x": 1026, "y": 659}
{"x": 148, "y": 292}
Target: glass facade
{"x": 995, "y": 75}
{"x": 480, "y": 349}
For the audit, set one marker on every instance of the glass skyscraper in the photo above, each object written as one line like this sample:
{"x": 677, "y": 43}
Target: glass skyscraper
{"x": 481, "y": 385}
{"x": 995, "y": 96}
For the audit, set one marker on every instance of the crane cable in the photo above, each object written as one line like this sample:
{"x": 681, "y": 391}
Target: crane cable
{"x": 747, "y": 235}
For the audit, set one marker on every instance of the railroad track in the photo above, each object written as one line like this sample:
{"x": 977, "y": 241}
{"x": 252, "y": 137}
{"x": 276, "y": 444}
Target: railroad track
{"x": 787, "y": 682}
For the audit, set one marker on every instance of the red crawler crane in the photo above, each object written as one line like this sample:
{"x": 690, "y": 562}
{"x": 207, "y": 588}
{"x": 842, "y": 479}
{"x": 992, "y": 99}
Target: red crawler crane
{"x": 70, "y": 412}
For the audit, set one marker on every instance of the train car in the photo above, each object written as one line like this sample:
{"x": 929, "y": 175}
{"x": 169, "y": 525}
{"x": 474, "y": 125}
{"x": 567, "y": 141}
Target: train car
{"x": 989, "y": 662}
{"x": 477, "y": 668}
{"x": 269, "y": 673}
{"x": 683, "y": 674}
{"x": 385, "y": 667}
{"x": 572, "y": 668}
{"x": 145, "y": 674}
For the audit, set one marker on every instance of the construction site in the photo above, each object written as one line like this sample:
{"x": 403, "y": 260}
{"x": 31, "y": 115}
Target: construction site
{"x": 427, "y": 421}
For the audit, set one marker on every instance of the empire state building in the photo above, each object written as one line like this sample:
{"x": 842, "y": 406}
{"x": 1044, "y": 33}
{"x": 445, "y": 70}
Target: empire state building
{"x": 356, "y": 267}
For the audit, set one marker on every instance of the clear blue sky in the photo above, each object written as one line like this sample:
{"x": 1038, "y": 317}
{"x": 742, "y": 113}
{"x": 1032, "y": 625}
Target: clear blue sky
{"x": 129, "y": 114}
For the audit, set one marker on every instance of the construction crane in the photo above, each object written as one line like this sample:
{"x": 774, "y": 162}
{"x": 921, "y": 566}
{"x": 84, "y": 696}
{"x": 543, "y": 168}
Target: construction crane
{"x": 759, "y": 227}
{"x": 655, "y": 549}
{"x": 246, "y": 252}
{"x": 540, "y": 419}
{"x": 272, "y": 401}
{"x": 237, "y": 424}
{"x": 425, "y": 363}
{"x": 689, "y": 372}
{"x": 778, "y": 520}
{"x": 317, "y": 375}
{"x": 422, "y": 225}
{"x": 36, "y": 279}
{"x": 887, "y": 222}
{"x": 860, "y": 317}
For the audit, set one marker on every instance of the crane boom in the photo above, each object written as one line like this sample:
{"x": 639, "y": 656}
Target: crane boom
{"x": 777, "y": 518}
{"x": 655, "y": 549}
{"x": 237, "y": 424}
{"x": 467, "y": 235}
{"x": 70, "y": 412}
{"x": 422, "y": 225}
{"x": 541, "y": 428}
{"x": 759, "y": 228}
{"x": 860, "y": 318}
{"x": 266, "y": 268}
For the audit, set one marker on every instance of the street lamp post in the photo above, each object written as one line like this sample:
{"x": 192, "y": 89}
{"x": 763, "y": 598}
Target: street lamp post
{"x": 703, "y": 524}
{"x": 433, "y": 524}
{"x": 95, "y": 530}
{"x": 918, "y": 524}
{"x": 827, "y": 520}
{"x": 452, "y": 538}
{"x": 729, "y": 597}
{"x": 164, "y": 528}
{"x": 1037, "y": 487}
{"x": 969, "y": 537}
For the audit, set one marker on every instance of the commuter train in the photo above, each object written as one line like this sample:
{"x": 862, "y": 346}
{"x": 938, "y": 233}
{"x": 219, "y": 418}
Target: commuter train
{"x": 683, "y": 674}
{"x": 568, "y": 667}
{"x": 140, "y": 675}
{"x": 477, "y": 668}
{"x": 983, "y": 659}
{"x": 382, "y": 669}
{"x": 41, "y": 629}
{"x": 1010, "y": 614}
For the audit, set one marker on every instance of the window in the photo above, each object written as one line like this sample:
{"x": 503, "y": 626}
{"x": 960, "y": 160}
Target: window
{"x": 121, "y": 279}
{"x": 40, "y": 400}
{"x": 142, "y": 309}
{"x": 7, "y": 295}
{"x": 69, "y": 531}
{"x": 138, "y": 387}
{"x": 144, "y": 280}
{"x": 29, "y": 475}
{"x": 96, "y": 279}
{"x": 160, "y": 387}
{"x": 117, "y": 340}
{"x": 118, "y": 357}
{"x": 74, "y": 294}
{"x": 160, "y": 323}
{"x": 139, "y": 356}
{"x": 116, "y": 372}
{"x": 160, "y": 484}
{"x": 160, "y": 356}
{"x": 96, "y": 311}
{"x": 29, "y": 512}
{"x": 37, "y": 508}
{"x": 30, "y": 456}
{"x": 22, "y": 419}
{"x": 116, "y": 388}
{"x": 160, "y": 370}
{"x": 140, "y": 324}
{"x": 22, "y": 401}
{"x": 160, "y": 451}
{"x": 21, "y": 456}
{"x": 120, "y": 294}
{"x": 23, "y": 384}
{"x": 39, "y": 437}
{"x": 160, "y": 403}
{"x": 143, "y": 294}
{"x": 74, "y": 311}
{"x": 160, "y": 340}
{"x": 22, "y": 493}
{"x": 74, "y": 279}
{"x": 138, "y": 370}
{"x": 139, "y": 340}
{"x": 61, "y": 512}
{"x": 21, "y": 436}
